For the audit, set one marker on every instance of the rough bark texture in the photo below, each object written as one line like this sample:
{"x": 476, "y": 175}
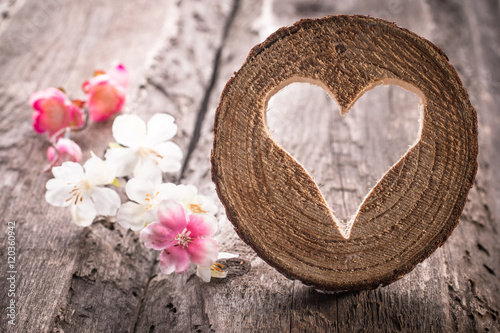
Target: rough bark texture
{"x": 181, "y": 54}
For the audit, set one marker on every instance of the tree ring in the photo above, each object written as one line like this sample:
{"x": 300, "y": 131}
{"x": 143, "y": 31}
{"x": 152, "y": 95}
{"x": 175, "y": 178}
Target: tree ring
{"x": 277, "y": 208}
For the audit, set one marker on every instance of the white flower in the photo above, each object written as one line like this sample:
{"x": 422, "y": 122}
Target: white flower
{"x": 216, "y": 270}
{"x": 146, "y": 151}
{"x": 145, "y": 196}
{"x": 77, "y": 186}
{"x": 195, "y": 203}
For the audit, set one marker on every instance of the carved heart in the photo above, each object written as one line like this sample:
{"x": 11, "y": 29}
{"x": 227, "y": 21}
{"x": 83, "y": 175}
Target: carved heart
{"x": 345, "y": 156}
{"x": 277, "y": 208}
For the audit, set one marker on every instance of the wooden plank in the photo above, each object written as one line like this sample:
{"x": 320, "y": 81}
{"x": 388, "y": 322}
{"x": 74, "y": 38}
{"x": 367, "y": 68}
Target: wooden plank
{"x": 102, "y": 279}
{"x": 442, "y": 293}
{"x": 68, "y": 278}
{"x": 179, "y": 82}
{"x": 472, "y": 278}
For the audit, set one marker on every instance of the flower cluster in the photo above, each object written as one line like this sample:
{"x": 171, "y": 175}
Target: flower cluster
{"x": 56, "y": 114}
{"x": 174, "y": 219}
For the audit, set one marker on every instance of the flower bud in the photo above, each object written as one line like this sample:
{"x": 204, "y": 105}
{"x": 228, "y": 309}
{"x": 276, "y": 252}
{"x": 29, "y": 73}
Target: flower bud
{"x": 54, "y": 111}
{"x": 106, "y": 92}
{"x": 65, "y": 150}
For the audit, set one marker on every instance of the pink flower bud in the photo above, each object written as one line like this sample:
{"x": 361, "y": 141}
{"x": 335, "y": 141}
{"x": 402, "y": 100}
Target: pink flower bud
{"x": 65, "y": 150}
{"x": 106, "y": 92}
{"x": 54, "y": 111}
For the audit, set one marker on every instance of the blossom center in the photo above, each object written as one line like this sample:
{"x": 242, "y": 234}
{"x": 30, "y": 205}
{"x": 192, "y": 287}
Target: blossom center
{"x": 147, "y": 152}
{"x": 78, "y": 190}
{"x": 183, "y": 239}
{"x": 152, "y": 201}
{"x": 196, "y": 209}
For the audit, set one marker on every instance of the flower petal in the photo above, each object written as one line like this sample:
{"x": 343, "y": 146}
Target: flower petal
{"x": 161, "y": 127}
{"x": 138, "y": 189}
{"x": 200, "y": 227}
{"x": 83, "y": 213}
{"x": 54, "y": 118}
{"x": 178, "y": 192}
{"x": 196, "y": 203}
{"x": 70, "y": 148}
{"x": 158, "y": 237}
{"x": 174, "y": 259}
{"x": 227, "y": 255}
{"x": 91, "y": 84}
{"x": 104, "y": 101}
{"x": 38, "y": 125}
{"x": 203, "y": 251}
{"x": 129, "y": 130}
{"x": 206, "y": 204}
{"x": 147, "y": 169}
{"x": 52, "y": 154}
{"x": 78, "y": 119}
{"x": 119, "y": 74}
{"x": 134, "y": 216}
{"x": 204, "y": 272}
{"x": 171, "y": 156}
{"x": 69, "y": 172}
{"x": 49, "y": 93}
{"x": 106, "y": 201}
{"x": 65, "y": 150}
{"x": 167, "y": 191}
{"x": 190, "y": 191}
{"x": 123, "y": 159}
{"x": 171, "y": 215}
{"x": 99, "y": 172}
{"x": 58, "y": 192}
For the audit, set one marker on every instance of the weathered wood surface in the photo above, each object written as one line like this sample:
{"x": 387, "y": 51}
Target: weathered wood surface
{"x": 180, "y": 54}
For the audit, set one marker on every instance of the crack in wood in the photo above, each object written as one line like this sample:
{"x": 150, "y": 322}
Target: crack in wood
{"x": 158, "y": 86}
{"x": 56, "y": 269}
{"x": 138, "y": 308}
{"x": 192, "y": 145}
{"x": 202, "y": 111}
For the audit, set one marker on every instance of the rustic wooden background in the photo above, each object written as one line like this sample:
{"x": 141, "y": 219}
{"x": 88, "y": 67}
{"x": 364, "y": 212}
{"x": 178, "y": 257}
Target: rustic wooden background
{"x": 180, "y": 54}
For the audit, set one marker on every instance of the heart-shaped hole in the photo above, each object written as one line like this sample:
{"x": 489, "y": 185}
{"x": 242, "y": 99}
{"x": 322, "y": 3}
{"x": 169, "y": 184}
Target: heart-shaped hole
{"x": 346, "y": 156}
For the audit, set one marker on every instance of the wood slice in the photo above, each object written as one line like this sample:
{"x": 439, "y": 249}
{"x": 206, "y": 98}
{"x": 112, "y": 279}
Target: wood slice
{"x": 274, "y": 204}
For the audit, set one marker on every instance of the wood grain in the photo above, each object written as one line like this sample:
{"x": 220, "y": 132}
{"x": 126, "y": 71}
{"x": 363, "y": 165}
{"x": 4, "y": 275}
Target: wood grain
{"x": 66, "y": 275}
{"x": 275, "y": 205}
{"x": 455, "y": 289}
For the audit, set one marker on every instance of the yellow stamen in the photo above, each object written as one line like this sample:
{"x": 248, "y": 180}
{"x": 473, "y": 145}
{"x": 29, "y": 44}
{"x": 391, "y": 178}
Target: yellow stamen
{"x": 183, "y": 239}
{"x": 151, "y": 201}
{"x": 196, "y": 209}
{"x": 147, "y": 152}
{"x": 217, "y": 267}
{"x": 76, "y": 194}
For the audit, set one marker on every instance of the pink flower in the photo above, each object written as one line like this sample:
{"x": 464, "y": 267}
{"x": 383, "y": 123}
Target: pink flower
{"x": 181, "y": 238}
{"x": 54, "y": 111}
{"x": 65, "y": 150}
{"x": 106, "y": 92}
